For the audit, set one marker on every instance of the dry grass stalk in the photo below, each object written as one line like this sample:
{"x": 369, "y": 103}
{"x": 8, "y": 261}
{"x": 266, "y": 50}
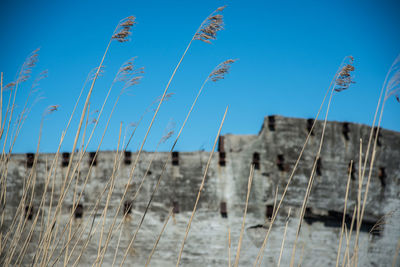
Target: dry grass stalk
{"x": 360, "y": 183}
{"x": 283, "y": 239}
{"x": 229, "y": 247}
{"x": 1, "y": 105}
{"x": 201, "y": 188}
{"x": 163, "y": 139}
{"x": 98, "y": 70}
{"x": 91, "y": 166}
{"x": 169, "y": 155}
{"x": 244, "y": 216}
{"x": 261, "y": 251}
{"x": 29, "y": 188}
{"x": 390, "y": 84}
{"x": 109, "y": 193}
{"x": 338, "y": 80}
{"x": 24, "y": 75}
{"x": 348, "y": 238}
{"x": 145, "y": 138}
{"x": 129, "y": 75}
{"x": 270, "y": 221}
{"x": 396, "y": 254}
{"x": 301, "y": 256}
{"x": 159, "y": 237}
{"x": 2, "y": 183}
{"x": 94, "y": 210}
{"x": 63, "y": 188}
{"x": 344, "y": 213}
{"x": 118, "y": 243}
{"x": 32, "y": 229}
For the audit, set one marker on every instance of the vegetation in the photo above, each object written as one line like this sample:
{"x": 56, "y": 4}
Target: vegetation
{"x": 53, "y": 230}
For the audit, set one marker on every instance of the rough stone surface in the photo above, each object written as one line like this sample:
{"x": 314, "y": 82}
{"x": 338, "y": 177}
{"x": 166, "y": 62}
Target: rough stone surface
{"x": 278, "y": 145}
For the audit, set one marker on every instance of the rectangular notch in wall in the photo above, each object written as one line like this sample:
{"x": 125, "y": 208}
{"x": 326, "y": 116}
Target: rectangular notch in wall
{"x": 30, "y": 158}
{"x": 175, "y": 207}
{"x": 78, "y": 213}
{"x": 92, "y": 158}
{"x": 280, "y": 162}
{"x": 346, "y": 131}
{"x": 256, "y": 160}
{"x": 269, "y": 211}
{"x": 222, "y": 159}
{"x": 310, "y": 123}
{"x": 65, "y": 159}
{"x": 127, "y": 207}
{"x": 318, "y": 169}
{"x": 221, "y": 144}
{"x": 223, "y": 210}
{"x": 379, "y": 137}
{"x": 175, "y": 158}
{"x": 29, "y": 212}
{"x": 127, "y": 157}
{"x": 271, "y": 123}
{"x": 382, "y": 176}
{"x": 353, "y": 171}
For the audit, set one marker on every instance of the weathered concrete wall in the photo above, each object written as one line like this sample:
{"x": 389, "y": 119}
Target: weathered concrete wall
{"x": 278, "y": 145}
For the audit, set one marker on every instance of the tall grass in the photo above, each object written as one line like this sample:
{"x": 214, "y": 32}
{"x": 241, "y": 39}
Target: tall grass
{"x": 58, "y": 241}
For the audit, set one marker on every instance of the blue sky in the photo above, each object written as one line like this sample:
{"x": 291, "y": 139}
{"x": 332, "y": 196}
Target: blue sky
{"x": 288, "y": 52}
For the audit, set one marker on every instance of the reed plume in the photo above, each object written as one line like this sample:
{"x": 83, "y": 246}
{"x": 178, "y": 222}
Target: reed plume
{"x": 52, "y": 108}
{"x": 28, "y": 65}
{"x": 344, "y": 77}
{"x": 129, "y": 74}
{"x": 124, "y": 29}
{"x": 393, "y": 85}
{"x": 9, "y": 86}
{"x": 208, "y": 31}
{"x": 219, "y": 72}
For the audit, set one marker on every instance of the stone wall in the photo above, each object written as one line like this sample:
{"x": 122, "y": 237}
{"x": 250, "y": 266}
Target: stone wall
{"x": 274, "y": 152}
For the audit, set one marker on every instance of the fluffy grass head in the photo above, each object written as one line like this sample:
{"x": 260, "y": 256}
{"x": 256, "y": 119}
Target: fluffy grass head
{"x": 129, "y": 74}
{"x": 124, "y": 29}
{"x": 28, "y": 65}
{"x": 393, "y": 84}
{"x": 221, "y": 70}
{"x": 344, "y": 77}
{"x": 214, "y": 23}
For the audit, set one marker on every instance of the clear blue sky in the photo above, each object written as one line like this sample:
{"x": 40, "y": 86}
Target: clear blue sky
{"x": 288, "y": 52}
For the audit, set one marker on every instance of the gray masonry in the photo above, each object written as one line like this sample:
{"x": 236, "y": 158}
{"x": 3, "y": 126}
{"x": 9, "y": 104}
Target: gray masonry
{"x": 273, "y": 151}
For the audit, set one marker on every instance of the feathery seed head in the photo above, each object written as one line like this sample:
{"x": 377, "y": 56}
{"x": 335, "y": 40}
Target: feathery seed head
{"x": 213, "y": 24}
{"x": 124, "y": 29}
{"x": 393, "y": 84}
{"x": 9, "y": 86}
{"x": 93, "y": 72}
{"x": 129, "y": 74}
{"x": 166, "y": 98}
{"x": 221, "y": 8}
{"x": 169, "y": 132}
{"x": 344, "y": 77}
{"x": 52, "y": 108}
{"x": 28, "y": 65}
{"x": 42, "y": 75}
{"x": 219, "y": 72}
